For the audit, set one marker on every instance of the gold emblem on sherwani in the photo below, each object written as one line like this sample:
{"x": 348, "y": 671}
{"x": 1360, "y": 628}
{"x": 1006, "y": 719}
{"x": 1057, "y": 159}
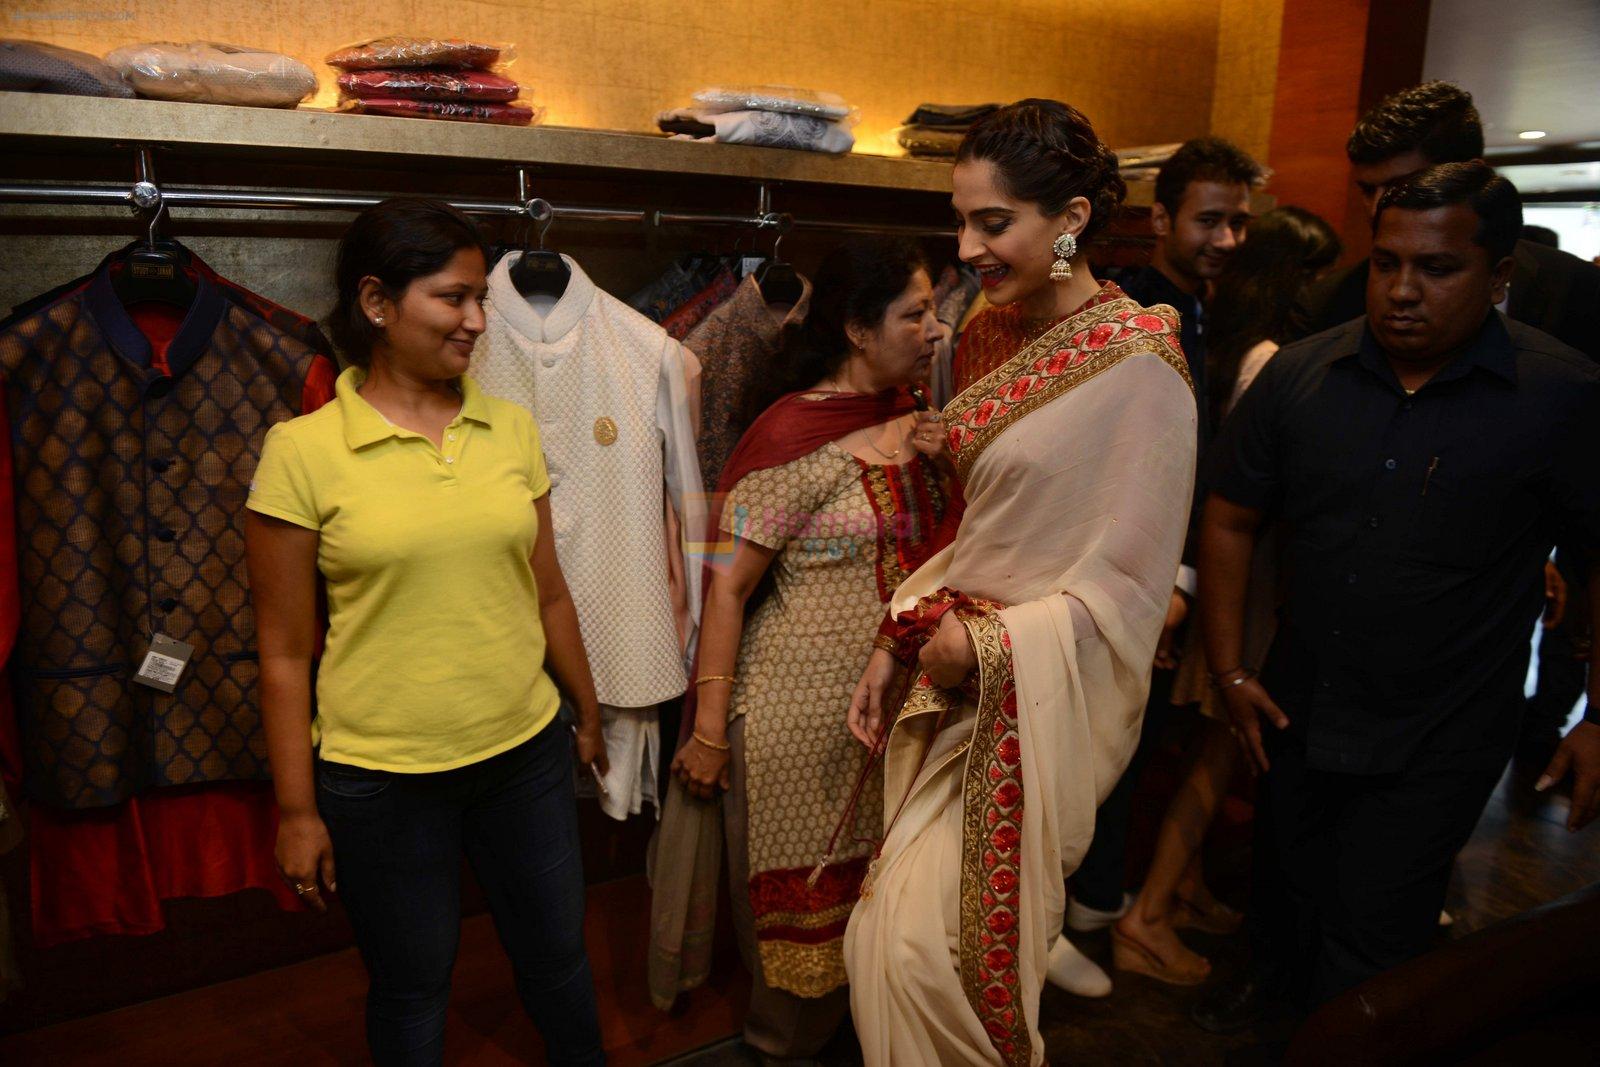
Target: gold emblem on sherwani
{"x": 605, "y": 430}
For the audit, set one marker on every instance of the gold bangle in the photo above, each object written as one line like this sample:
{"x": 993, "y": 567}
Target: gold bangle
{"x": 887, "y": 643}
{"x": 704, "y": 678}
{"x": 710, "y": 744}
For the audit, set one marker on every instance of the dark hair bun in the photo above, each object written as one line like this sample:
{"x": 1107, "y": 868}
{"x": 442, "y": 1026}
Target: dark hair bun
{"x": 1048, "y": 154}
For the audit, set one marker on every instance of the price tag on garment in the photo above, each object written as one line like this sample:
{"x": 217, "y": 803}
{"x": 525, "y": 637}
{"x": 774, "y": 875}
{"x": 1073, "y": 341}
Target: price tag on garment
{"x": 163, "y": 665}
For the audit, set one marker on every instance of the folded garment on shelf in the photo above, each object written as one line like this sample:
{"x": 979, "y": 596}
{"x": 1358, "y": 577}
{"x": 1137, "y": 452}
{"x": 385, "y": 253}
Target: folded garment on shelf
{"x": 35, "y": 67}
{"x": 1150, "y": 155}
{"x": 403, "y": 51}
{"x": 931, "y": 142}
{"x": 429, "y": 85}
{"x": 684, "y": 124}
{"x": 783, "y": 99}
{"x": 769, "y": 129}
{"x": 515, "y": 114}
{"x": 955, "y": 116}
{"x": 205, "y": 72}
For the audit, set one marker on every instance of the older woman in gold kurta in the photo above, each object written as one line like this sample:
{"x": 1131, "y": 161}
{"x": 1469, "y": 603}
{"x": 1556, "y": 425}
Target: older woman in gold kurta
{"x": 830, "y": 503}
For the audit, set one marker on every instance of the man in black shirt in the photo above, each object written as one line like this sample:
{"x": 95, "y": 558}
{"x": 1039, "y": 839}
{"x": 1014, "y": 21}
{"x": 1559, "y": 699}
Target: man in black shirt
{"x": 1202, "y": 207}
{"x": 1422, "y": 463}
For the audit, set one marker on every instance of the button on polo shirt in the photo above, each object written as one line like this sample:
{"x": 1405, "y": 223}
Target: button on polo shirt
{"x": 434, "y": 656}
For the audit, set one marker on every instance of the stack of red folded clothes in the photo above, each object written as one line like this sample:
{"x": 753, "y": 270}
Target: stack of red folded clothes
{"x": 421, "y": 77}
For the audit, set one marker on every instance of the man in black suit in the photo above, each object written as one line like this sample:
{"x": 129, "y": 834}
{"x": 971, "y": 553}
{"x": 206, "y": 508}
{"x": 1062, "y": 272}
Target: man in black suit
{"x": 1408, "y": 132}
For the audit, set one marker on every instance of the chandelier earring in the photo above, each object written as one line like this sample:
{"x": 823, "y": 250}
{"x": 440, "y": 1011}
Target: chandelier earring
{"x": 1065, "y": 247}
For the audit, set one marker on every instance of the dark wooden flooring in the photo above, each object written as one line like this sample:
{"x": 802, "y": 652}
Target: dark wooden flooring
{"x": 309, "y": 1014}
{"x": 1521, "y": 856}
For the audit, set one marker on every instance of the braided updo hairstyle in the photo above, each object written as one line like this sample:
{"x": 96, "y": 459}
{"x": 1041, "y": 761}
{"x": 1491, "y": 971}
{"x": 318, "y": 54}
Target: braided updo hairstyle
{"x": 1047, "y": 154}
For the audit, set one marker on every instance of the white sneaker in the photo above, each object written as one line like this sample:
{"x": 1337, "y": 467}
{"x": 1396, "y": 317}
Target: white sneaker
{"x": 1076, "y": 973}
{"x": 1086, "y": 920}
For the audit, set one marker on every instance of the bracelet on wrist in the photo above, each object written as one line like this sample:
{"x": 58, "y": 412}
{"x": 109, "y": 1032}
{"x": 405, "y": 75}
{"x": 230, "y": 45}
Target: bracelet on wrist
{"x": 704, "y": 678}
{"x": 713, "y": 745}
{"x": 887, "y": 643}
{"x": 1243, "y": 675}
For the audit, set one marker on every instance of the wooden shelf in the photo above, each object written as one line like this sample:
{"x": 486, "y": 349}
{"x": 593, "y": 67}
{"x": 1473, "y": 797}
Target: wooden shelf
{"x": 46, "y": 123}
{"x": 62, "y": 121}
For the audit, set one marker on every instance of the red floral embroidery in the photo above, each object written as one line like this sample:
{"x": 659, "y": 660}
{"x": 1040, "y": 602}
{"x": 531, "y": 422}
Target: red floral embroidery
{"x": 990, "y": 935}
{"x": 1130, "y": 323}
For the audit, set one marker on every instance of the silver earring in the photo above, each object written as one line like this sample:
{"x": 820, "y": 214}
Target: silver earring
{"x": 1065, "y": 247}
{"x": 377, "y": 320}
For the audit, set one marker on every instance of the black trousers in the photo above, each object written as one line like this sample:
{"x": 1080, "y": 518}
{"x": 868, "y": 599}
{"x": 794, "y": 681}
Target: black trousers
{"x": 1351, "y": 870}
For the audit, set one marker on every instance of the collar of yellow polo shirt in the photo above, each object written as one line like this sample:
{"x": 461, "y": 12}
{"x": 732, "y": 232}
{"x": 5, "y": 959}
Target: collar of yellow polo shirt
{"x": 434, "y": 656}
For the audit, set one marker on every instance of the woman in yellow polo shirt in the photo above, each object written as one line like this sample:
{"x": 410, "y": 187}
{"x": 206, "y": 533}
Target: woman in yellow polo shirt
{"x": 421, "y": 507}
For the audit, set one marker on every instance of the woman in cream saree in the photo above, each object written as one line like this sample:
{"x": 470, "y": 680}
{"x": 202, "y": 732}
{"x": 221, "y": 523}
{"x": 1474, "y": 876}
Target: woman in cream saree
{"x": 1077, "y": 458}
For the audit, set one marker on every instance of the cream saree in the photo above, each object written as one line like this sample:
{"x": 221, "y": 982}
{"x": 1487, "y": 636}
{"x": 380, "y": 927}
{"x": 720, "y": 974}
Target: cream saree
{"x": 1077, "y": 457}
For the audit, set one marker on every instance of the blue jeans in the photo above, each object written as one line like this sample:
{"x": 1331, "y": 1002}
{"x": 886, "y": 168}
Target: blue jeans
{"x": 398, "y": 840}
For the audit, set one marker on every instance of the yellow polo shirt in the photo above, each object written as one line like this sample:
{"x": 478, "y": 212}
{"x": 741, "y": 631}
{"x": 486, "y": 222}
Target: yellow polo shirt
{"x": 435, "y": 651}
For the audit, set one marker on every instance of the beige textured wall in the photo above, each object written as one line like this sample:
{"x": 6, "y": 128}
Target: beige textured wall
{"x": 1246, "y": 72}
{"x": 1141, "y": 69}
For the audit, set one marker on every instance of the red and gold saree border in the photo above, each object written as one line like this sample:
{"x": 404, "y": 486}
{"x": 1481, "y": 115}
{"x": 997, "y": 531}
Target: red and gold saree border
{"x": 1060, "y": 359}
{"x": 991, "y": 849}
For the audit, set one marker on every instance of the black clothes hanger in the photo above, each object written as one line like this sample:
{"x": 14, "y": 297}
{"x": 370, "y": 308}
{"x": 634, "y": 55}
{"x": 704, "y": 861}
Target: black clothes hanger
{"x": 779, "y": 282}
{"x": 538, "y": 272}
{"x": 155, "y": 270}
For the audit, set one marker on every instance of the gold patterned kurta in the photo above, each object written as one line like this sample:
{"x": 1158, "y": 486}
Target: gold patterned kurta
{"x": 846, "y": 534}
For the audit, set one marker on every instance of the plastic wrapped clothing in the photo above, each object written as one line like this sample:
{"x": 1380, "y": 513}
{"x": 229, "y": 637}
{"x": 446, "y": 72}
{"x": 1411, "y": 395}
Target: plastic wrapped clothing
{"x": 402, "y": 51}
{"x": 770, "y": 129}
{"x": 204, "y": 72}
{"x": 784, "y": 99}
{"x": 475, "y": 85}
{"x": 456, "y": 110}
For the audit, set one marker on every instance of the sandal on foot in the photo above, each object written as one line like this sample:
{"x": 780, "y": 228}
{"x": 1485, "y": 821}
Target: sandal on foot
{"x": 1129, "y": 955}
{"x": 1217, "y": 919}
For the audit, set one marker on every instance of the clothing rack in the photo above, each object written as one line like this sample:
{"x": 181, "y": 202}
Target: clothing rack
{"x": 764, "y": 218}
{"x": 145, "y": 195}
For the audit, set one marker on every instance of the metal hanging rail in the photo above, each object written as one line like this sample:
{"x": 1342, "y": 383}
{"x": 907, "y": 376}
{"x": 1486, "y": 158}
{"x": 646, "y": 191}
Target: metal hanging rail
{"x": 225, "y": 198}
{"x": 146, "y": 195}
{"x": 123, "y": 196}
{"x": 765, "y": 218}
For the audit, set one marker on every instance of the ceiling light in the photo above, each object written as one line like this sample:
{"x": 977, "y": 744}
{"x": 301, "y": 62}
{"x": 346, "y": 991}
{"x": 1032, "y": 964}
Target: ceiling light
{"x": 1532, "y": 135}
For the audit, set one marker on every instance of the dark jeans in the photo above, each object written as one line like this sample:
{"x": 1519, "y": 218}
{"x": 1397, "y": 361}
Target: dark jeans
{"x": 1351, "y": 870}
{"x": 1098, "y": 881}
{"x": 398, "y": 840}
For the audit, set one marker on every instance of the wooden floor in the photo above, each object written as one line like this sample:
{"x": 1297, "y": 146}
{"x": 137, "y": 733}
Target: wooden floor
{"x": 309, "y": 1014}
{"x": 1520, "y": 856}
